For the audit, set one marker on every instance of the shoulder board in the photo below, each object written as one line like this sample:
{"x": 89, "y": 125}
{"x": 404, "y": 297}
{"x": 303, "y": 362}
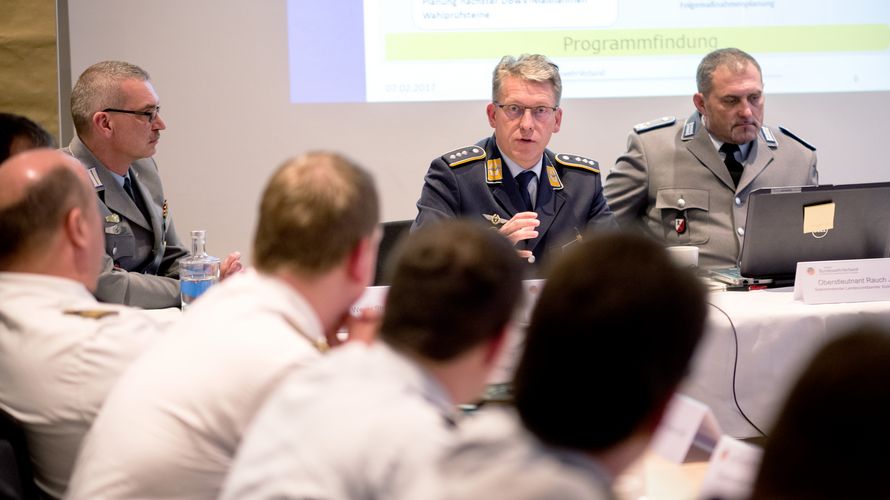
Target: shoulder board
{"x": 578, "y": 162}
{"x": 94, "y": 178}
{"x": 664, "y": 121}
{"x": 463, "y": 155}
{"x": 769, "y": 137}
{"x": 796, "y": 138}
{"x": 90, "y": 313}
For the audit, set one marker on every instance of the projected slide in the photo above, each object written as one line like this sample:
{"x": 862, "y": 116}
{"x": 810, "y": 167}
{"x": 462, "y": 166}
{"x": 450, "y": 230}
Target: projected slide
{"x": 436, "y": 50}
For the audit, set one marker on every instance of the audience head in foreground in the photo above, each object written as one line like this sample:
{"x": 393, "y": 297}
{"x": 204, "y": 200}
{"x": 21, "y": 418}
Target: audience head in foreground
{"x": 609, "y": 341}
{"x": 60, "y": 350}
{"x": 831, "y": 438}
{"x": 181, "y": 411}
{"x": 48, "y": 218}
{"x": 18, "y": 133}
{"x": 368, "y": 420}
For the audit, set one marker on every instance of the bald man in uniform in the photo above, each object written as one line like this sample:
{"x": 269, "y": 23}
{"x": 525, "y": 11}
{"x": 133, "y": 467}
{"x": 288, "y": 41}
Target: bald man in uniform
{"x": 60, "y": 349}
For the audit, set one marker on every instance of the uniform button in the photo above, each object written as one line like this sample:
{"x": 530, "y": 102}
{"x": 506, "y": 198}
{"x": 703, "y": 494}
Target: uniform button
{"x": 681, "y": 203}
{"x": 741, "y": 231}
{"x": 738, "y": 201}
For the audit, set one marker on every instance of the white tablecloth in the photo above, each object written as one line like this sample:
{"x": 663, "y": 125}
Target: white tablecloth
{"x": 777, "y": 337}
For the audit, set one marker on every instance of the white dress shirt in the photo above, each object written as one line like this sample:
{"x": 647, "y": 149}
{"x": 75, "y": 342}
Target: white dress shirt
{"x": 60, "y": 353}
{"x": 172, "y": 425}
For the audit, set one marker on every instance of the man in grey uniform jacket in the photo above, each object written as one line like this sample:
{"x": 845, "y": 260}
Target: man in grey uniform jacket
{"x": 675, "y": 180}
{"x": 116, "y": 114}
{"x": 561, "y": 196}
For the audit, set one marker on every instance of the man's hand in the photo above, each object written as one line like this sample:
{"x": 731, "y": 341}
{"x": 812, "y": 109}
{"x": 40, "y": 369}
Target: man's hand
{"x": 521, "y": 227}
{"x": 231, "y": 265}
{"x": 364, "y": 327}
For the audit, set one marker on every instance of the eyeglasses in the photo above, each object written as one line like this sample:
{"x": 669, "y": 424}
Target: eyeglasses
{"x": 514, "y": 111}
{"x": 150, "y": 114}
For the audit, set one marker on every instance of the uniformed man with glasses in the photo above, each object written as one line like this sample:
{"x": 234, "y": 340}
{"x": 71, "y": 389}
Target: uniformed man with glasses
{"x": 116, "y": 115}
{"x": 542, "y": 201}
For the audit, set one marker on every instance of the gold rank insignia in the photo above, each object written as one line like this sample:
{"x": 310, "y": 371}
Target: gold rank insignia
{"x": 578, "y": 162}
{"x": 553, "y": 177}
{"x": 321, "y": 345}
{"x": 90, "y": 314}
{"x": 113, "y": 218}
{"x": 495, "y": 219}
{"x": 493, "y": 171}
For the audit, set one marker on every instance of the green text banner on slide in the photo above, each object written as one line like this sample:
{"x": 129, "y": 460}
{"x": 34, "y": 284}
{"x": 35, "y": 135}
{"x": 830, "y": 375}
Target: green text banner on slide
{"x": 435, "y": 50}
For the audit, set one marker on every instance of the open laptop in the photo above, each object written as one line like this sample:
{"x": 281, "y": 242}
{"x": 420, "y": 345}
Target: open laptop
{"x": 829, "y": 222}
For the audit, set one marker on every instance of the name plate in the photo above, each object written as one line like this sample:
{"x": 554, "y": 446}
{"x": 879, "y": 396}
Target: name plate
{"x": 686, "y": 424}
{"x": 731, "y": 470}
{"x": 836, "y": 281}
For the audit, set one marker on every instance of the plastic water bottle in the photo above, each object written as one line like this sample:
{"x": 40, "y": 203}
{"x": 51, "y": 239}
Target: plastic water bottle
{"x": 198, "y": 271}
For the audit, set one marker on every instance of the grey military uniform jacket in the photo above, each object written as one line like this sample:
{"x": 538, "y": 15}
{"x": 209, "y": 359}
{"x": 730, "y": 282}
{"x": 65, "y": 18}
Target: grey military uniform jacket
{"x": 673, "y": 183}
{"x": 141, "y": 263}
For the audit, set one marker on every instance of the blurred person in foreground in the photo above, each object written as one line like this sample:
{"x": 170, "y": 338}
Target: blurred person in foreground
{"x": 18, "y": 133}
{"x": 367, "y": 421}
{"x": 60, "y": 349}
{"x": 171, "y": 427}
{"x": 831, "y": 438}
{"x": 592, "y": 383}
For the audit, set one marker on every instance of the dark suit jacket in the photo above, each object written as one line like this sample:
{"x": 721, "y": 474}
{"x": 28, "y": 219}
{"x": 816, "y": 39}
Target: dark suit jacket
{"x": 141, "y": 265}
{"x": 569, "y": 203}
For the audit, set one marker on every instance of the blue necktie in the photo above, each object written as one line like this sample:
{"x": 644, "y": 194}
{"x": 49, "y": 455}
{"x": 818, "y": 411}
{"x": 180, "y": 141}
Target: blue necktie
{"x": 524, "y": 179}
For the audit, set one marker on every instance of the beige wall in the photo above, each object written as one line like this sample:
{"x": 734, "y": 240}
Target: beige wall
{"x": 28, "y": 61}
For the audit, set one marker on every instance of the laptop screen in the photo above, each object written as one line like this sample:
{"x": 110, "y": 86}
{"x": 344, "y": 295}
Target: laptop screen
{"x": 829, "y": 222}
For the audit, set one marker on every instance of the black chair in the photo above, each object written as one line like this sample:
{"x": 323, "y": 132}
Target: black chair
{"x": 393, "y": 231}
{"x": 16, "y": 475}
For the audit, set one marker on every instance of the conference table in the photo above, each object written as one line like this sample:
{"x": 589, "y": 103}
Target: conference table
{"x": 776, "y": 335}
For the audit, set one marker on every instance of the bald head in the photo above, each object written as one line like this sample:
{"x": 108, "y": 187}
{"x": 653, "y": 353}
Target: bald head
{"x": 48, "y": 213}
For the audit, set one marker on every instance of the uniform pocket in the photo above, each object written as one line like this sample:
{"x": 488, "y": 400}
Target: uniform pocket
{"x": 119, "y": 241}
{"x": 685, "y": 215}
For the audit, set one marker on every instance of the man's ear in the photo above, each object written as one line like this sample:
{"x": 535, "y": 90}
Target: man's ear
{"x": 699, "y": 100}
{"x": 558, "y": 118}
{"x": 102, "y": 124}
{"x": 489, "y": 111}
{"x": 495, "y": 345}
{"x": 76, "y": 228}
{"x": 360, "y": 263}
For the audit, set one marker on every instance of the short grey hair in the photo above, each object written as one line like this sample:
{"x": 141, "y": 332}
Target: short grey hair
{"x": 98, "y": 88}
{"x": 530, "y": 67}
{"x": 734, "y": 59}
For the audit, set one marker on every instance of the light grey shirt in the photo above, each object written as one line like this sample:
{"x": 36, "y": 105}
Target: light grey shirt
{"x": 360, "y": 425}
{"x": 496, "y": 458}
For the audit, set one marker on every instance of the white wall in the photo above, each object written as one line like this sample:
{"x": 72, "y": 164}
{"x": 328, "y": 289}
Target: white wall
{"x": 220, "y": 68}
